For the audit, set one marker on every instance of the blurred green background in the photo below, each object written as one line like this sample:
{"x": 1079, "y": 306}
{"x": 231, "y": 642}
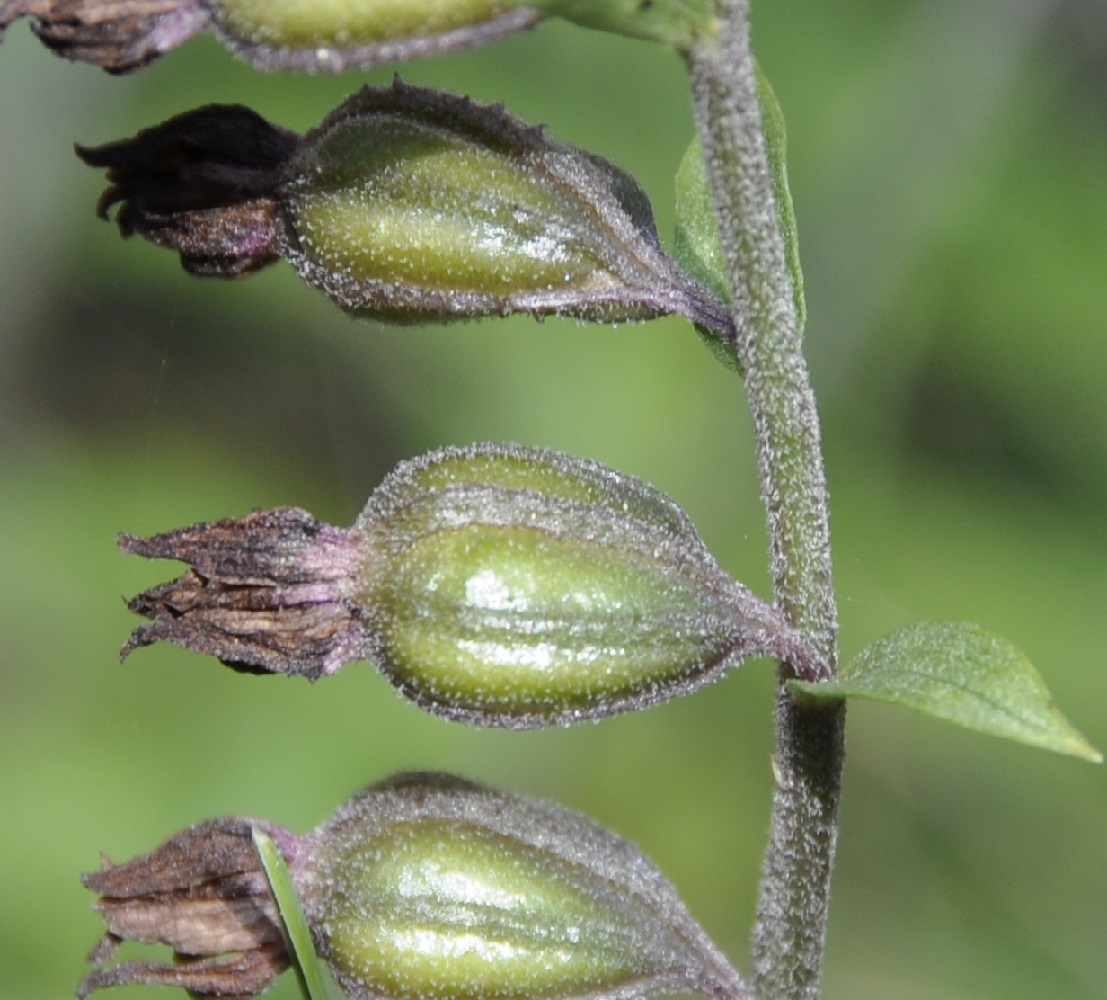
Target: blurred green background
{"x": 949, "y": 166}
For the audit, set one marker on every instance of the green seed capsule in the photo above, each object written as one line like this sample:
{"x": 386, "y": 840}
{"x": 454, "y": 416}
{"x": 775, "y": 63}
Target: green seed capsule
{"x": 394, "y": 201}
{"x": 500, "y": 586}
{"x": 406, "y": 205}
{"x": 509, "y": 586}
{"x": 428, "y": 887}
{"x": 311, "y": 35}
{"x": 422, "y": 887}
{"x": 436, "y": 909}
{"x": 521, "y": 584}
{"x": 343, "y": 24}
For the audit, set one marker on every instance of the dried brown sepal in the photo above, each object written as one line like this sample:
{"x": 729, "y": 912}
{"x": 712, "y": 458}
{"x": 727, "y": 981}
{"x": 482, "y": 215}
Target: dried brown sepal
{"x": 204, "y": 894}
{"x": 267, "y": 593}
{"x": 203, "y": 184}
{"x": 117, "y": 35}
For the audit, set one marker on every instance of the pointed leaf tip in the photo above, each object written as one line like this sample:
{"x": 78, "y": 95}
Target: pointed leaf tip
{"x": 962, "y": 673}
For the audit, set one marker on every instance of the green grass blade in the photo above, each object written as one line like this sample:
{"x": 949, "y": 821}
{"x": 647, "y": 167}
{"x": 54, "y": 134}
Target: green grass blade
{"x": 308, "y": 970}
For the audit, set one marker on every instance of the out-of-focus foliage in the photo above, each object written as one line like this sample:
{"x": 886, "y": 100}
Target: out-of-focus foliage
{"x": 947, "y": 163}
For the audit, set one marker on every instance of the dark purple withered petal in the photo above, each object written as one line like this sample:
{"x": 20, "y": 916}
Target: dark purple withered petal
{"x": 203, "y": 184}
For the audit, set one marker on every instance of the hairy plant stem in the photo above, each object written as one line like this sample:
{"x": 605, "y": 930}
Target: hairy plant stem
{"x": 795, "y": 890}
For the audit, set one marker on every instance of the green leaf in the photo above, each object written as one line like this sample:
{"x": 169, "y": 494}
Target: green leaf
{"x": 308, "y": 968}
{"x": 959, "y": 672}
{"x": 772, "y": 124}
{"x": 696, "y": 243}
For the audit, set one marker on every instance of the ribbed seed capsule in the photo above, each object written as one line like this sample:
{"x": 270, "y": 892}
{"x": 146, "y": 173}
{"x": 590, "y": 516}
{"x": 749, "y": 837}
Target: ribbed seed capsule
{"x": 525, "y": 587}
{"x": 433, "y": 887}
{"x": 312, "y": 35}
{"x": 422, "y": 887}
{"x": 500, "y": 586}
{"x": 318, "y": 34}
{"x": 406, "y": 205}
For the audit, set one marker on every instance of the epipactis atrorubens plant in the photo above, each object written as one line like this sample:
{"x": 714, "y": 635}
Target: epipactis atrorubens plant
{"x": 495, "y": 585}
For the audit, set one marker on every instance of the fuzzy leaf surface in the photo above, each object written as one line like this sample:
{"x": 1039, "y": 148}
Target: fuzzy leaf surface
{"x": 962, "y": 673}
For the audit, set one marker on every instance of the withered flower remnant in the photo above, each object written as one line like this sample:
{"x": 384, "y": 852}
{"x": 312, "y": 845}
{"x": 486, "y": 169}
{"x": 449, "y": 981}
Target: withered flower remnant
{"x": 311, "y": 35}
{"x": 422, "y": 887}
{"x": 499, "y": 586}
{"x": 406, "y": 205}
{"x": 203, "y": 893}
{"x": 203, "y": 185}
